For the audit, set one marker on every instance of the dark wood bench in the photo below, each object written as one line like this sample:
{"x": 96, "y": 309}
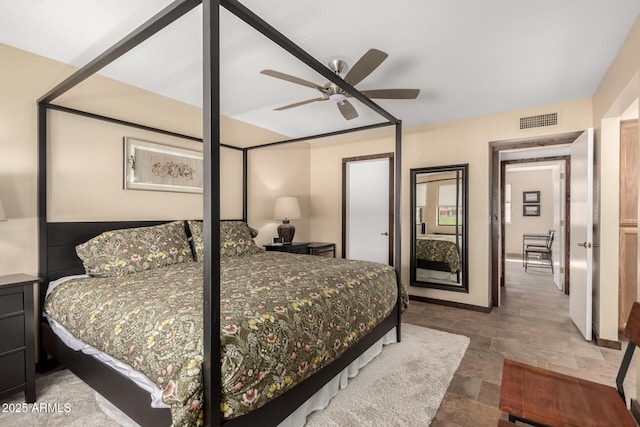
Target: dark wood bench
{"x": 541, "y": 397}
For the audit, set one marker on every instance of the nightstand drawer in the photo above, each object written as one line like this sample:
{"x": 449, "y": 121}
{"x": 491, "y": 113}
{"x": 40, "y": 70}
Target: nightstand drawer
{"x": 17, "y": 330}
{"x": 12, "y": 303}
{"x": 11, "y": 333}
{"x": 12, "y": 372}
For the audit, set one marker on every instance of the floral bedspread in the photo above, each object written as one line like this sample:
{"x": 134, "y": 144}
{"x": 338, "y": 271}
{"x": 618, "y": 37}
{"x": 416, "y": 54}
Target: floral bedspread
{"x": 440, "y": 251}
{"x": 283, "y": 317}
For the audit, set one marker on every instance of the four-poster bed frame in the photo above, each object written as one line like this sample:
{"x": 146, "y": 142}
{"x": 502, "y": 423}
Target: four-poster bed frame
{"x": 57, "y": 240}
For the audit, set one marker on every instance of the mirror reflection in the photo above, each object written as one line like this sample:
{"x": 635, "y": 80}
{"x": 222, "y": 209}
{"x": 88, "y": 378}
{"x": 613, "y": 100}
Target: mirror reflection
{"x": 439, "y": 243}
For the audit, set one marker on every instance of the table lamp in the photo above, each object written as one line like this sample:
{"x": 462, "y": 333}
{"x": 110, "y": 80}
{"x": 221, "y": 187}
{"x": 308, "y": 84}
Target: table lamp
{"x": 286, "y": 208}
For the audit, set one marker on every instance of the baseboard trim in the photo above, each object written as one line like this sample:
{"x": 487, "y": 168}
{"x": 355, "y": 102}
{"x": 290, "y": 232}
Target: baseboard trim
{"x": 635, "y": 410}
{"x": 601, "y": 342}
{"x": 450, "y": 304}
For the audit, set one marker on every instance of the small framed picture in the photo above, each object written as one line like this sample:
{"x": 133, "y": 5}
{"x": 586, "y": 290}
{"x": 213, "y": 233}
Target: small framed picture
{"x": 530, "y": 210}
{"x": 530, "y": 197}
{"x": 277, "y": 241}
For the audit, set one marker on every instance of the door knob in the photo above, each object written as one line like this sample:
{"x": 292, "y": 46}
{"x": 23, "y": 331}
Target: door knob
{"x": 585, "y": 245}
{"x": 386, "y": 233}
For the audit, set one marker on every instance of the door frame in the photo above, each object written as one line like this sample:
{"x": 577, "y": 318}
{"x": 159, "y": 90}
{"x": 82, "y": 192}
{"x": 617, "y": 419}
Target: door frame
{"x": 496, "y": 147}
{"x": 347, "y": 160}
{"x": 567, "y": 184}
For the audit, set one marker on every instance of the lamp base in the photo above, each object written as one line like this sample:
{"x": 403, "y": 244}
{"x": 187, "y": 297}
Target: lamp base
{"x": 286, "y": 231}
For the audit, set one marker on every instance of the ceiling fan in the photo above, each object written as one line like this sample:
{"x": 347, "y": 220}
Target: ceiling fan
{"x": 330, "y": 91}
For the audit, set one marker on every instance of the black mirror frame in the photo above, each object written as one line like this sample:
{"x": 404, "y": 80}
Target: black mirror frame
{"x": 464, "y": 285}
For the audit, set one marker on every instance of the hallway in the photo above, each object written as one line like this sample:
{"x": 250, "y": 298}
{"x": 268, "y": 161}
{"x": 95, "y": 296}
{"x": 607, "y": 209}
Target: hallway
{"x": 532, "y": 326}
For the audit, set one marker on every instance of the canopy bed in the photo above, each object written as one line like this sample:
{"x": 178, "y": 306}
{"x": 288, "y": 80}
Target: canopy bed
{"x": 58, "y": 240}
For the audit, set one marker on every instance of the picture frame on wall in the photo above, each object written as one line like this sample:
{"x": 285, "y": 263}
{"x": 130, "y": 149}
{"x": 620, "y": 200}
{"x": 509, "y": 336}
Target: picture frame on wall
{"x": 530, "y": 210}
{"x": 531, "y": 197}
{"x": 161, "y": 167}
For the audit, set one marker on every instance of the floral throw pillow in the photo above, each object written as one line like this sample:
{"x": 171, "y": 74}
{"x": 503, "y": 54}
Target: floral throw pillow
{"x": 236, "y": 239}
{"x": 130, "y": 250}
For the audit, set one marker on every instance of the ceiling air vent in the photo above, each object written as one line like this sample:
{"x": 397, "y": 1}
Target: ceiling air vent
{"x": 538, "y": 121}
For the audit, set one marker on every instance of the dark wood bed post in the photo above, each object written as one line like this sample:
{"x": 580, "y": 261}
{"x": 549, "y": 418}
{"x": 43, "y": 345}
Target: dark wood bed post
{"x": 42, "y": 221}
{"x": 398, "y": 222}
{"x": 245, "y": 185}
{"x": 212, "y": 372}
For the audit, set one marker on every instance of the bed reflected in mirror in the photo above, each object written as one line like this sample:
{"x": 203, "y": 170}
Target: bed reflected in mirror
{"x": 439, "y": 232}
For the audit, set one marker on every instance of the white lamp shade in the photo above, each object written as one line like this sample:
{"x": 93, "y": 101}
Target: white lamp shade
{"x": 3, "y": 216}
{"x": 286, "y": 207}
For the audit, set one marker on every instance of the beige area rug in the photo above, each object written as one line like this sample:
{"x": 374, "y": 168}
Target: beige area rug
{"x": 403, "y": 386}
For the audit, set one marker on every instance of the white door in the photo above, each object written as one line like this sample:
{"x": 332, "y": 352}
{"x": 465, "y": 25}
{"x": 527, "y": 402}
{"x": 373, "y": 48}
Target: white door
{"x": 367, "y": 210}
{"x": 580, "y": 249}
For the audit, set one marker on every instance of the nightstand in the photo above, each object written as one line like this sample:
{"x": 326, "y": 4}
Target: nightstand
{"x": 17, "y": 331}
{"x": 322, "y": 249}
{"x": 307, "y": 248}
{"x": 292, "y": 248}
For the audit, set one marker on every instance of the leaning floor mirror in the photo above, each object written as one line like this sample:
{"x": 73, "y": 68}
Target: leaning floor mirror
{"x": 439, "y": 231}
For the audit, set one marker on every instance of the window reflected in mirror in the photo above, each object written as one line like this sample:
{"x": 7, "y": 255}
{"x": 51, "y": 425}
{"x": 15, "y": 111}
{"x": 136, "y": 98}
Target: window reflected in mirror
{"x": 439, "y": 243}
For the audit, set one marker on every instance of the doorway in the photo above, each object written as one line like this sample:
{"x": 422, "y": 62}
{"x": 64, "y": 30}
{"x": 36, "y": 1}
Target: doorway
{"x": 545, "y": 178}
{"x": 367, "y": 208}
{"x": 498, "y": 149}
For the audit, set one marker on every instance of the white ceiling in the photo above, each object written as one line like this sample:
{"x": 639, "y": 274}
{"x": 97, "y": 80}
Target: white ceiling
{"x": 467, "y": 57}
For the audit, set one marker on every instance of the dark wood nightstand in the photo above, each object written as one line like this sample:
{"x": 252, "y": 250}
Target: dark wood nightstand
{"x": 322, "y": 249}
{"x": 292, "y": 248}
{"x": 307, "y": 248}
{"x": 17, "y": 329}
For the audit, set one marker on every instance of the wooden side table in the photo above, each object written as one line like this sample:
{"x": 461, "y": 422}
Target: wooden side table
{"x": 17, "y": 332}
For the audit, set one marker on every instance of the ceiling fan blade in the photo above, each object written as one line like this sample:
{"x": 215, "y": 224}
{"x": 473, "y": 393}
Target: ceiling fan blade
{"x": 290, "y": 78}
{"x": 297, "y": 104}
{"x": 365, "y": 66}
{"x": 347, "y": 110}
{"x": 392, "y": 93}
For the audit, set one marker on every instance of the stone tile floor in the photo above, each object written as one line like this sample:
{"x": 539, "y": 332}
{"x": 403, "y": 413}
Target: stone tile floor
{"x": 531, "y": 326}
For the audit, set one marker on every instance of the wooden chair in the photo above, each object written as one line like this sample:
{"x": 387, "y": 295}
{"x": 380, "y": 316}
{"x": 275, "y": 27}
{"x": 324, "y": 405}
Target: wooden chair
{"x": 541, "y": 397}
{"x": 542, "y": 252}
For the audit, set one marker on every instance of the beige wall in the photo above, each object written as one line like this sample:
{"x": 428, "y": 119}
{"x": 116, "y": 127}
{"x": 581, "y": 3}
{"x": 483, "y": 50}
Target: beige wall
{"x": 85, "y": 181}
{"x": 536, "y": 180}
{"x": 456, "y": 142}
{"x": 278, "y": 171}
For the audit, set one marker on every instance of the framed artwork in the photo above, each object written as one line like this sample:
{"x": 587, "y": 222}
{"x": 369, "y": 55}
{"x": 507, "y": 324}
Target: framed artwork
{"x": 530, "y": 210}
{"x": 160, "y": 167}
{"x": 530, "y": 197}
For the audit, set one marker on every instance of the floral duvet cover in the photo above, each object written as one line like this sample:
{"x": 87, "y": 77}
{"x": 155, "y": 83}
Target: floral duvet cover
{"x": 439, "y": 250}
{"x": 283, "y": 317}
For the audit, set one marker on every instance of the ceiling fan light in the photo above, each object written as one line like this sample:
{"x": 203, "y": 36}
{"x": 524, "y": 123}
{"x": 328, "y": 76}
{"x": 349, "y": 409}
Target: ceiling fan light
{"x": 337, "y": 97}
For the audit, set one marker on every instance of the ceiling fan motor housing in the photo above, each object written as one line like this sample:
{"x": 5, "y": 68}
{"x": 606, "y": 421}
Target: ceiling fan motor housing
{"x": 338, "y": 66}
